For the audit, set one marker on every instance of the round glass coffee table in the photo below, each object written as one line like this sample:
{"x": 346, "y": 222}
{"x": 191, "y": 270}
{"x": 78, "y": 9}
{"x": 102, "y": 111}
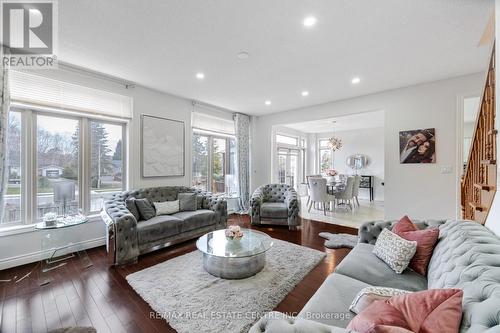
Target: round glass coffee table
{"x": 234, "y": 259}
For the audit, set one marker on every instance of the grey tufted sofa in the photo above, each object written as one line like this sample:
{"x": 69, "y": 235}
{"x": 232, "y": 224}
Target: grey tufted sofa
{"x": 467, "y": 257}
{"x": 275, "y": 204}
{"x": 127, "y": 238}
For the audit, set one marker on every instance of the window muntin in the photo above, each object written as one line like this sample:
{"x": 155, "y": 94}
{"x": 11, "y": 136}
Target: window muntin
{"x": 13, "y": 212}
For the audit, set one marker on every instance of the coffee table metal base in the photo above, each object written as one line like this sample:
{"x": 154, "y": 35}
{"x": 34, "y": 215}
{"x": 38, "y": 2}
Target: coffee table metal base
{"x": 234, "y": 268}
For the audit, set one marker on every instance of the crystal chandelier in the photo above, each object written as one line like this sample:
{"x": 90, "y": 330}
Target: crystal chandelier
{"x": 334, "y": 143}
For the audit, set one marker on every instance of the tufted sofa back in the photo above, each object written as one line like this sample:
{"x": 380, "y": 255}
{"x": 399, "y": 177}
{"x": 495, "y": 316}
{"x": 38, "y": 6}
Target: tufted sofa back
{"x": 158, "y": 194}
{"x": 369, "y": 231}
{"x": 275, "y": 192}
{"x": 467, "y": 257}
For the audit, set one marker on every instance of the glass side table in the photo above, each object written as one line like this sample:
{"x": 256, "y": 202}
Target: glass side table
{"x": 56, "y": 250}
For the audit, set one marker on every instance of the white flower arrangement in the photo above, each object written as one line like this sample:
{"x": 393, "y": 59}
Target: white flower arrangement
{"x": 234, "y": 232}
{"x": 50, "y": 218}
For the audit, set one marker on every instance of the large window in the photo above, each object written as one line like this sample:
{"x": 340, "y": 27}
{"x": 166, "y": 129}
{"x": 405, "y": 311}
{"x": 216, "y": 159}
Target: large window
{"x": 325, "y": 156}
{"x": 214, "y": 163}
{"x": 61, "y": 164}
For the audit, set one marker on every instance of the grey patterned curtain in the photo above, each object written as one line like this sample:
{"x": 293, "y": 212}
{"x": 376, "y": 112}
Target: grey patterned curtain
{"x": 4, "y": 125}
{"x": 242, "y": 128}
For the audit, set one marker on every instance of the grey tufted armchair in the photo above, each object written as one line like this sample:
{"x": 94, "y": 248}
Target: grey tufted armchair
{"x": 275, "y": 204}
{"x": 128, "y": 237}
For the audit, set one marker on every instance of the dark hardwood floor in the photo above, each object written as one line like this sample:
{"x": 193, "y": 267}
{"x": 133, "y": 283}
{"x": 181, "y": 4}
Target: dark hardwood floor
{"x": 100, "y": 296}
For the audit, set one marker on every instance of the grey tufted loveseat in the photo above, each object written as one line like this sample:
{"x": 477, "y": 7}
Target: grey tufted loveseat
{"x": 275, "y": 204}
{"x": 127, "y": 238}
{"x": 466, "y": 257}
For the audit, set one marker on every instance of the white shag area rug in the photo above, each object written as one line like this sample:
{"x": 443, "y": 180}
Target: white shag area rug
{"x": 192, "y": 300}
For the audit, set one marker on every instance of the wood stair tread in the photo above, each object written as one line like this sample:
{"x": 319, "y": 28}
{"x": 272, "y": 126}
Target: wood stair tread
{"x": 477, "y": 207}
{"x": 485, "y": 187}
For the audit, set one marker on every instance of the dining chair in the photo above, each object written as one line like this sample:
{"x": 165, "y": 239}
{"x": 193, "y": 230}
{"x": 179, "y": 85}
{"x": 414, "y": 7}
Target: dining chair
{"x": 318, "y": 194}
{"x": 355, "y": 189}
{"x": 345, "y": 196}
{"x": 308, "y": 188}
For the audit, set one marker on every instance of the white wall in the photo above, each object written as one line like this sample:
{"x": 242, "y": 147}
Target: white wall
{"x": 20, "y": 248}
{"x": 421, "y": 191}
{"x": 493, "y": 220}
{"x": 369, "y": 142}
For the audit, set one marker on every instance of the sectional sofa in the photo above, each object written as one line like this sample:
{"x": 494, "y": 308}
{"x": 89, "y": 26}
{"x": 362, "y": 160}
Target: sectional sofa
{"x": 466, "y": 257}
{"x": 127, "y": 237}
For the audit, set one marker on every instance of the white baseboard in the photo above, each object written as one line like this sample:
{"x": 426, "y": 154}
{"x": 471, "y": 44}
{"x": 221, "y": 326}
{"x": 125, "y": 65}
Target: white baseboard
{"x": 37, "y": 256}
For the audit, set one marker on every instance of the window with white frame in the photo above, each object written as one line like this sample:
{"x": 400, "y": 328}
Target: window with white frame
{"x": 214, "y": 151}
{"x": 325, "y": 156}
{"x": 290, "y": 159}
{"x": 72, "y": 163}
{"x": 214, "y": 162}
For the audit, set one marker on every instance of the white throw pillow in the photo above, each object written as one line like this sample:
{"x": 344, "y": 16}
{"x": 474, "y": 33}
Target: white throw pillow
{"x": 368, "y": 295}
{"x": 395, "y": 251}
{"x": 167, "y": 207}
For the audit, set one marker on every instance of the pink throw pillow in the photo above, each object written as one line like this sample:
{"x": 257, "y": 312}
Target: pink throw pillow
{"x": 428, "y": 311}
{"x": 426, "y": 240}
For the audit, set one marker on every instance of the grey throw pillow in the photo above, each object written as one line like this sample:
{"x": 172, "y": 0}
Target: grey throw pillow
{"x": 145, "y": 208}
{"x": 395, "y": 251}
{"x": 187, "y": 201}
{"x": 130, "y": 203}
{"x": 199, "y": 201}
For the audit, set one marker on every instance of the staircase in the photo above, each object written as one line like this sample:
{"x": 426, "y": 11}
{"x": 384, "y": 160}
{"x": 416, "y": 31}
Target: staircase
{"x": 478, "y": 184}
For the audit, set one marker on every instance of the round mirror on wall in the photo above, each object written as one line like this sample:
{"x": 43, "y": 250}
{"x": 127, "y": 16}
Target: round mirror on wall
{"x": 357, "y": 161}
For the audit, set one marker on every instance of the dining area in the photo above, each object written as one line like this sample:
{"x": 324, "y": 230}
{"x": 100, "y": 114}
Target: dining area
{"x": 333, "y": 191}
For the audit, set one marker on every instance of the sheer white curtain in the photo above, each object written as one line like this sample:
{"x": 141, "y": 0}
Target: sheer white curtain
{"x": 4, "y": 125}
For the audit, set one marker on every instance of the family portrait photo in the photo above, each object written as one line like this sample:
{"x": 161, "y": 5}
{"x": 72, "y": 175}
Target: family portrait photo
{"x": 417, "y": 146}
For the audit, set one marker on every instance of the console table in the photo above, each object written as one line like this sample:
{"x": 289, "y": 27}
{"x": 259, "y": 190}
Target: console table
{"x": 56, "y": 250}
{"x": 367, "y": 182}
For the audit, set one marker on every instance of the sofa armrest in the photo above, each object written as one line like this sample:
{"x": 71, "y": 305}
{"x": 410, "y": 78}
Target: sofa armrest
{"x": 369, "y": 231}
{"x": 121, "y": 232}
{"x": 219, "y": 206}
{"x": 255, "y": 202}
{"x": 277, "y": 322}
{"x": 292, "y": 202}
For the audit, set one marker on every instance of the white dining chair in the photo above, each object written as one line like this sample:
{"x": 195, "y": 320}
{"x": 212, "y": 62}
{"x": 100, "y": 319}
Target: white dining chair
{"x": 308, "y": 188}
{"x": 345, "y": 196}
{"x": 355, "y": 188}
{"x": 318, "y": 194}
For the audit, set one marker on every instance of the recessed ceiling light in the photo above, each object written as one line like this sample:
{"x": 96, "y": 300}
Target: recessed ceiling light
{"x": 355, "y": 80}
{"x": 305, "y": 93}
{"x": 243, "y": 55}
{"x": 267, "y": 102}
{"x": 200, "y": 76}
{"x": 309, "y": 21}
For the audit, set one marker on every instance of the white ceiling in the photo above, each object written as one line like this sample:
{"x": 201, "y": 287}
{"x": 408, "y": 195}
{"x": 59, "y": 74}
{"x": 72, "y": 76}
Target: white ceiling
{"x": 162, "y": 44}
{"x": 352, "y": 122}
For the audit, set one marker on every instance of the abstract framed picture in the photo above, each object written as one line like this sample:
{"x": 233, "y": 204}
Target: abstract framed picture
{"x": 417, "y": 146}
{"x": 163, "y": 147}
